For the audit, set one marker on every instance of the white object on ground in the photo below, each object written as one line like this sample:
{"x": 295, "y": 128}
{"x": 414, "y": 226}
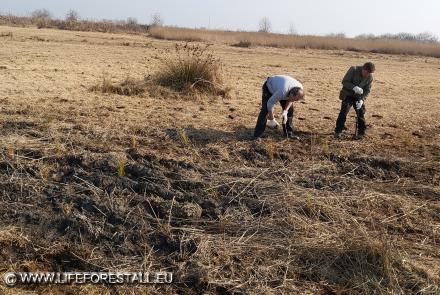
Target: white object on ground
{"x": 272, "y": 123}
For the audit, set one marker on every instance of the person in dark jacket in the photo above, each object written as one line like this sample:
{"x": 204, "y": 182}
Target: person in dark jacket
{"x": 356, "y": 86}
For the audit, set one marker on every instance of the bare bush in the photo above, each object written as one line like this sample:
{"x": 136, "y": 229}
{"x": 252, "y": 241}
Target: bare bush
{"x": 264, "y": 26}
{"x": 292, "y": 29}
{"x": 72, "y": 16}
{"x": 41, "y": 13}
{"x": 131, "y": 21}
{"x": 157, "y": 20}
{"x": 41, "y": 18}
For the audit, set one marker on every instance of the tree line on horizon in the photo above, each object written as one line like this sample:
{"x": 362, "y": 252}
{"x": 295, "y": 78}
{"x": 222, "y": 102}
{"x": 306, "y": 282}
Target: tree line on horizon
{"x": 265, "y": 26}
{"x": 43, "y": 18}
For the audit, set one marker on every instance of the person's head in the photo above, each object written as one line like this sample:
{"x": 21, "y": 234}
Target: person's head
{"x": 368, "y": 69}
{"x": 296, "y": 94}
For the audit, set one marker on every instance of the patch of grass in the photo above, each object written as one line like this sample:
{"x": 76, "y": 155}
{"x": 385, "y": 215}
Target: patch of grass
{"x": 128, "y": 87}
{"x": 194, "y": 70}
{"x": 161, "y": 33}
{"x": 7, "y": 34}
{"x": 12, "y": 235}
{"x": 184, "y": 137}
{"x": 243, "y": 44}
{"x": 365, "y": 266}
{"x": 42, "y": 23}
{"x": 270, "y": 151}
{"x": 120, "y": 166}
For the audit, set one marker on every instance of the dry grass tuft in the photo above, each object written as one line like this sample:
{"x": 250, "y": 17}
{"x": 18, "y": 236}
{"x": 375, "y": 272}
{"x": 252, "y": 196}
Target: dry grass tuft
{"x": 243, "y": 44}
{"x": 120, "y": 167}
{"x": 363, "y": 265}
{"x": 12, "y": 235}
{"x": 128, "y": 87}
{"x": 194, "y": 70}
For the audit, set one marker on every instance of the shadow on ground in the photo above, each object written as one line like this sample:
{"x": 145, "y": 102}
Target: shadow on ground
{"x": 204, "y": 136}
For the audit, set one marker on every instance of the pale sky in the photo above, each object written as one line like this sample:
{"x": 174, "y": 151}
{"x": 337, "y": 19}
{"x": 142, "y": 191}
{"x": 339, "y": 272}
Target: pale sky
{"x": 318, "y": 17}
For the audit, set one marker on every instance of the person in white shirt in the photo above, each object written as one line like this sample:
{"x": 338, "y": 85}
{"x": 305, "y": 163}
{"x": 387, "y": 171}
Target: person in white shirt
{"x": 285, "y": 90}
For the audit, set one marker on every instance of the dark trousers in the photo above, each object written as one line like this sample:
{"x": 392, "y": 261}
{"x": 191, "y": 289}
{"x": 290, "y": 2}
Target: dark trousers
{"x": 262, "y": 117}
{"x": 347, "y": 103}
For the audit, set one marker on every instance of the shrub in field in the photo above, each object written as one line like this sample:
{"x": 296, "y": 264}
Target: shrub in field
{"x": 131, "y": 21}
{"x": 42, "y": 23}
{"x": 264, "y": 25}
{"x": 41, "y": 18}
{"x": 243, "y": 44}
{"x": 72, "y": 18}
{"x": 194, "y": 69}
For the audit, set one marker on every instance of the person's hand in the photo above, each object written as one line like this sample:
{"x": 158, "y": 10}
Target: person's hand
{"x": 357, "y": 90}
{"x": 272, "y": 123}
{"x": 284, "y": 117}
{"x": 359, "y": 104}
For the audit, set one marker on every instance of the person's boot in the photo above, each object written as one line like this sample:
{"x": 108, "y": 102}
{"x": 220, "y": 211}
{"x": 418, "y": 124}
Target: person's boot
{"x": 289, "y": 129}
{"x": 338, "y": 134}
{"x": 359, "y": 136}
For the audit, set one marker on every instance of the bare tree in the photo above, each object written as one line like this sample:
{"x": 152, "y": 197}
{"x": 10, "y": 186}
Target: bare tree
{"x": 72, "y": 16}
{"x": 427, "y": 37}
{"x": 264, "y": 26}
{"x": 292, "y": 29}
{"x": 41, "y": 13}
{"x": 337, "y": 35}
{"x": 157, "y": 20}
{"x": 41, "y": 17}
{"x": 131, "y": 21}
{"x": 366, "y": 36}
{"x": 421, "y": 37}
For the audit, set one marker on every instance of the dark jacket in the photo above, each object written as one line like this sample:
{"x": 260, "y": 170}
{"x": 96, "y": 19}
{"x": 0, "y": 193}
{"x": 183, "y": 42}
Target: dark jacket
{"x": 354, "y": 78}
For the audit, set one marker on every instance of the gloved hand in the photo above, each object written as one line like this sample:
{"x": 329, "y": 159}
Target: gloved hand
{"x": 272, "y": 123}
{"x": 359, "y": 104}
{"x": 357, "y": 90}
{"x": 284, "y": 117}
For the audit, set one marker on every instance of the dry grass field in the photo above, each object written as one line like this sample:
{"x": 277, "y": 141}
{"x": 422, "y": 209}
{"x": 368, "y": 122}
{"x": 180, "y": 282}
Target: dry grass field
{"x": 93, "y": 181}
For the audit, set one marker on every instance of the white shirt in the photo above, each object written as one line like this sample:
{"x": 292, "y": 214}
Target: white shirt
{"x": 279, "y": 86}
